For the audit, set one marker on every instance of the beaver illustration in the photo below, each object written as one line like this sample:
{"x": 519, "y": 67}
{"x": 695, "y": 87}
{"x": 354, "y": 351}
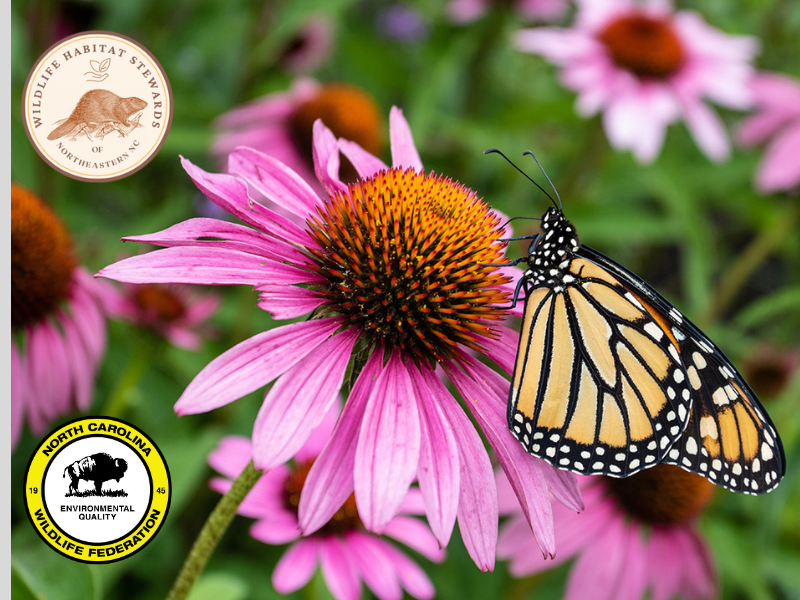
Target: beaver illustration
{"x": 103, "y": 111}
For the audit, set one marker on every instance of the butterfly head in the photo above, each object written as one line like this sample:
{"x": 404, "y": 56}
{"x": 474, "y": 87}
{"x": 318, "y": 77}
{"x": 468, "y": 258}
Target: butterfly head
{"x": 552, "y": 250}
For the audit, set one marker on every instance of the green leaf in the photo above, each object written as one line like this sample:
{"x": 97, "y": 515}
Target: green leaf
{"x": 219, "y": 586}
{"x": 38, "y": 572}
{"x": 786, "y": 301}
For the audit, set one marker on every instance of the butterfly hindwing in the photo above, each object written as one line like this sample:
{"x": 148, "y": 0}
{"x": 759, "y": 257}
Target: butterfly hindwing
{"x": 730, "y": 438}
{"x": 599, "y": 386}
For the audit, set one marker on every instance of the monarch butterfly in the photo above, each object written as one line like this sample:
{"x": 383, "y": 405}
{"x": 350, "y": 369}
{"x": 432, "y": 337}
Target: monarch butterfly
{"x": 610, "y": 378}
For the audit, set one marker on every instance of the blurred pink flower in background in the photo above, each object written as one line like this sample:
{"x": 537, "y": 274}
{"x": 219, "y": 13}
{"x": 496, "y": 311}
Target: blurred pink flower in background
{"x": 176, "y": 312}
{"x": 644, "y": 66}
{"x": 345, "y": 551}
{"x": 466, "y": 11}
{"x": 58, "y": 327}
{"x": 395, "y": 270}
{"x": 770, "y": 369}
{"x": 776, "y": 121}
{"x": 310, "y": 47}
{"x": 280, "y": 125}
{"x": 636, "y": 534}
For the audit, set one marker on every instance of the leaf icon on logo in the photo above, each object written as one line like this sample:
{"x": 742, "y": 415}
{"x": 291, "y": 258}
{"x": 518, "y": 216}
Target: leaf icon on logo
{"x": 95, "y": 65}
{"x": 104, "y": 65}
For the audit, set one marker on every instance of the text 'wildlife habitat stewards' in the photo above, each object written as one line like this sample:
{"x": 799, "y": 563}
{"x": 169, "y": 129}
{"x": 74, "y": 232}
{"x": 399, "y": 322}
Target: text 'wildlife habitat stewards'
{"x": 97, "y": 106}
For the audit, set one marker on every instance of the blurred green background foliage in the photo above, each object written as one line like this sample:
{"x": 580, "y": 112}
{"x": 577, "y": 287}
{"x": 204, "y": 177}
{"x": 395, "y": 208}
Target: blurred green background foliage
{"x": 725, "y": 256}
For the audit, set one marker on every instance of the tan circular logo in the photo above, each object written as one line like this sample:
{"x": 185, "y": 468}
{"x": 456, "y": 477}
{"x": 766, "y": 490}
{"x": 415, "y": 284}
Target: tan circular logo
{"x": 97, "y": 106}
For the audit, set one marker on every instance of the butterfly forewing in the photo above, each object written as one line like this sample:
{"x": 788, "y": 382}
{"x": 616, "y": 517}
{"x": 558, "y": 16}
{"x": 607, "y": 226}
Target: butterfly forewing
{"x": 599, "y": 386}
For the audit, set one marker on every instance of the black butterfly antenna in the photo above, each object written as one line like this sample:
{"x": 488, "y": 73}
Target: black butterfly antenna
{"x": 508, "y": 160}
{"x": 560, "y": 206}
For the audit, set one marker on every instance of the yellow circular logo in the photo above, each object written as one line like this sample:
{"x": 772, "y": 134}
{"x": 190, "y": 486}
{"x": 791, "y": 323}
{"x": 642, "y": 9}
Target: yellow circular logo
{"x": 97, "y": 490}
{"x": 97, "y": 106}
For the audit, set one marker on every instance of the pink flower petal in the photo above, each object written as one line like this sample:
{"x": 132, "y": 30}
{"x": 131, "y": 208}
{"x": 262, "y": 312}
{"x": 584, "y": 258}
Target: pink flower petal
{"x": 633, "y": 580}
{"x": 296, "y": 567}
{"x": 699, "y": 575}
{"x": 201, "y": 309}
{"x": 780, "y": 167}
{"x": 88, "y": 318}
{"x": 201, "y": 265}
{"x": 330, "y": 480}
{"x": 465, "y": 11}
{"x": 416, "y": 535}
{"x": 339, "y": 569}
{"x": 564, "y": 487}
{"x": 231, "y": 456}
{"x": 51, "y": 371}
{"x": 321, "y": 434}
{"x": 707, "y": 130}
{"x": 438, "y": 469}
{"x": 758, "y": 128}
{"x": 776, "y": 91}
{"x": 599, "y": 571}
{"x": 477, "y": 504}
{"x": 366, "y": 164}
{"x": 388, "y": 446}
{"x": 274, "y": 180}
{"x": 230, "y": 194}
{"x": 267, "y": 499}
{"x": 287, "y": 302}
{"x": 326, "y": 158}
{"x": 181, "y": 337}
{"x": 374, "y": 564}
{"x": 665, "y": 563}
{"x": 17, "y": 408}
{"x": 231, "y": 236}
{"x": 252, "y": 364}
{"x": 480, "y": 387}
{"x": 411, "y": 576}
{"x": 276, "y": 531}
{"x": 278, "y": 106}
{"x": 503, "y": 351}
{"x": 81, "y": 367}
{"x": 299, "y": 400}
{"x": 404, "y": 152}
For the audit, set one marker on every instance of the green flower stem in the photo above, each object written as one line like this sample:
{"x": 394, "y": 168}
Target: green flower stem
{"x": 749, "y": 260}
{"x": 213, "y": 529}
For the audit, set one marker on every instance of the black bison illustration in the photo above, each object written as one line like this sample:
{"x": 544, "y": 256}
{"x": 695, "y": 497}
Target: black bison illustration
{"x": 98, "y": 468}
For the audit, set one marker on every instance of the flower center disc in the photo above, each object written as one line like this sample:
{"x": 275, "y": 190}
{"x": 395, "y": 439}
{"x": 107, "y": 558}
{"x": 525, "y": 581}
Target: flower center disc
{"x": 404, "y": 254}
{"x": 646, "y": 46}
{"x": 41, "y": 259}
{"x": 348, "y": 112}
{"x": 345, "y": 519}
{"x": 661, "y": 495}
{"x": 158, "y": 302}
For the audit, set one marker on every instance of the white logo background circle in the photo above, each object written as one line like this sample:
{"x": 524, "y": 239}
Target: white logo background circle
{"x": 109, "y": 137}
{"x": 81, "y": 524}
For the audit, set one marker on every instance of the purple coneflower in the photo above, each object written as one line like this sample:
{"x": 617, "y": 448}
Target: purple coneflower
{"x": 280, "y": 125}
{"x": 58, "y": 327}
{"x": 636, "y": 534}
{"x": 176, "y": 312}
{"x": 466, "y": 11}
{"x": 394, "y": 269}
{"x": 644, "y": 66}
{"x": 310, "y": 47}
{"x": 777, "y": 118}
{"x": 345, "y": 551}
